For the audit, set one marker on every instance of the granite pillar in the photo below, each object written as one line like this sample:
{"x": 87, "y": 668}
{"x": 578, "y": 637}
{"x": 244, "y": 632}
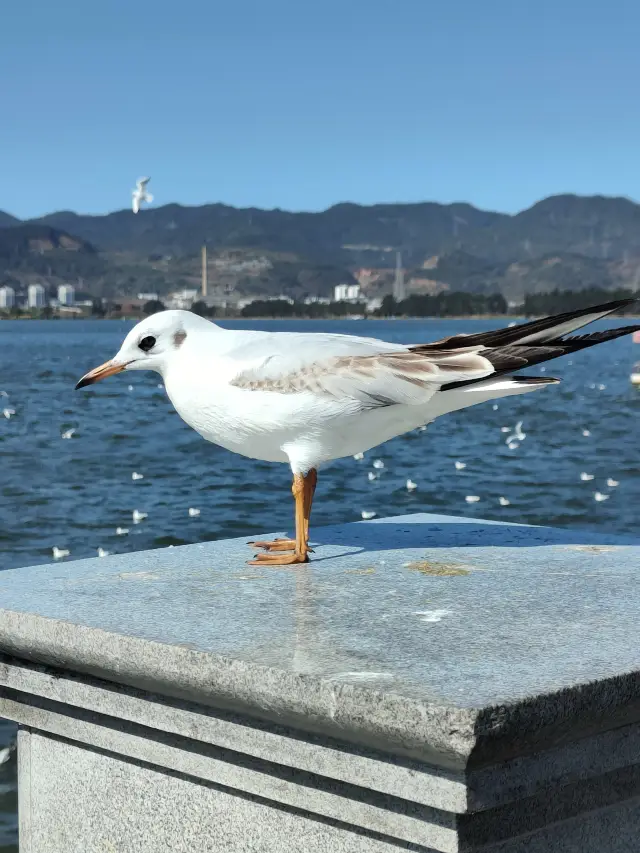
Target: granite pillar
{"x": 427, "y": 683}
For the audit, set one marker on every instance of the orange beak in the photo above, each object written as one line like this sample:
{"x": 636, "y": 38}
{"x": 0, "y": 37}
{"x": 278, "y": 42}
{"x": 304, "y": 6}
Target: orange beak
{"x": 101, "y": 372}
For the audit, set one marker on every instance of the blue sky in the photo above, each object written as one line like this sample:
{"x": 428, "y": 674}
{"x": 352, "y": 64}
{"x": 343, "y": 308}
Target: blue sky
{"x": 299, "y": 105}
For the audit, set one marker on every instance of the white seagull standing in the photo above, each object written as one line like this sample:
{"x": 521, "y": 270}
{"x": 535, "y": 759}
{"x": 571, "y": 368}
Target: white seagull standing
{"x": 307, "y": 398}
{"x": 140, "y": 194}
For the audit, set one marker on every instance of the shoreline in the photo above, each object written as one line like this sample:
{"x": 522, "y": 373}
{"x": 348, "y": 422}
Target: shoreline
{"x": 412, "y": 318}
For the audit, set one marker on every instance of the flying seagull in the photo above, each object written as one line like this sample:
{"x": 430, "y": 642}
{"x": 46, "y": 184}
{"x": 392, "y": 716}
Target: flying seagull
{"x": 140, "y": 194}
{"x": 307, "y": 398}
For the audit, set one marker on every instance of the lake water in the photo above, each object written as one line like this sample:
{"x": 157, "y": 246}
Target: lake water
{"x": 74, "y": 493}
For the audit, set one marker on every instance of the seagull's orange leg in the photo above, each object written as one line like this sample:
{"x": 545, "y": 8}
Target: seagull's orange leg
{"x": 311, "y": 481}
{"x": 300, "y": 490}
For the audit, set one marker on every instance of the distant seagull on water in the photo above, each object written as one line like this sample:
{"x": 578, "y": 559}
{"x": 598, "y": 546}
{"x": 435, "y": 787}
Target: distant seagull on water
{"x": 308, "y": 398}
{"x": 140, "y": 194}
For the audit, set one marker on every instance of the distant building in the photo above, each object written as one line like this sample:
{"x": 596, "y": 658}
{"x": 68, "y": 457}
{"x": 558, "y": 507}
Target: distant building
{"x": 183, "y": 299}
{"x": 66, "y": 294}
{"x": 316, "y": 300}
{"x": 353, "y": 291}
{"x": 346, "y": 292}
{"x": 7, "y": 297}
{"x": 36, "y": 296}
{"x": 148, "y": 297}
{"x": 340, "y": 292}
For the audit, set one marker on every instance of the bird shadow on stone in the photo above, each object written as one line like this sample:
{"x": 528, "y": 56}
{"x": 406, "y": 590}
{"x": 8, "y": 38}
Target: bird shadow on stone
{"x": 446, "y": 533}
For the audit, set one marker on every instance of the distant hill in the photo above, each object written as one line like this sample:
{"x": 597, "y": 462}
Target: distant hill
{"x": 594, "y": 226}
{"x": 460, "y": 270}
{"x": 32, "y": 248}
{"x": 564, "y": 241}
{"x": 26, "y": 239}
{"x": 7, "y": 220}
{"x": 345, "y": 233}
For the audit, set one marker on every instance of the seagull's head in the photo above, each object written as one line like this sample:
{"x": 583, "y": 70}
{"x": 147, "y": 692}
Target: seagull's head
{"x": 150, "y": 345}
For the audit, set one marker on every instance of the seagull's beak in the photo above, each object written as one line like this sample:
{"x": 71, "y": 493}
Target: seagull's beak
{"x": 109, "y": 368}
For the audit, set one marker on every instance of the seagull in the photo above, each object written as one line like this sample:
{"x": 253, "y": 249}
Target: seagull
{"x": 307, "y": 398}
{"x": 378, "y": 463}
{"x": 59, "y": 553}
{"x": 140, "y": 194}
{"x": 371, "y": 475}
{"x": 136, "y": 476}
{"x": 586, "y": 477}
{"x": 598, "y": 496}
{"x": 138, "y": 516}
{"x": 472, "y": 499}
{"x": 460, "y": 466}
{"x": 504, "y": 501}
{"x": 122, "y": 531}
{"x": 411, "y": 486}
{"x": 68, "y": 433}
{"x": 103, "y": 553}
{"x": 612, "y": 483}
{"x": 367, "y": 514}
{"x": 517, "y": 436}
{"x": 194, "y": 511}
{"x": 431, "y": 615}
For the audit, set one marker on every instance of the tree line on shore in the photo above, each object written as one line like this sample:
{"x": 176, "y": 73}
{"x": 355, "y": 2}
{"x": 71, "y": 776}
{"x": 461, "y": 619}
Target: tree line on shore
{"x": 445, "y": 304}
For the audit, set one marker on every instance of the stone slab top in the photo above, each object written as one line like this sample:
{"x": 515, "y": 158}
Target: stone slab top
{"x": 393, "y": 621}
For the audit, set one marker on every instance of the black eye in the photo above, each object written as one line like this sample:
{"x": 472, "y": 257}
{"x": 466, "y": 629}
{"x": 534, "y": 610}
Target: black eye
{"x": 147, "y": 343}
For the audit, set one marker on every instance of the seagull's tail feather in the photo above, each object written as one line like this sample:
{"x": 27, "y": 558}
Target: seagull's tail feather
{"x": 532, "y": 343}
{"x": 505, "y": 358}
{"x": 464, "y": 395}
{"x": 544, "y": 331}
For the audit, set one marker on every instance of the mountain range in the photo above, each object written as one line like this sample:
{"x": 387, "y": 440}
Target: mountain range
{"x": 564, "y": 241}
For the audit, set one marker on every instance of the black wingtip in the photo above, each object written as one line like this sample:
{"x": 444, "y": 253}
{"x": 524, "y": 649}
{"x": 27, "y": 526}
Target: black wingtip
{"x": 535, "y": 380}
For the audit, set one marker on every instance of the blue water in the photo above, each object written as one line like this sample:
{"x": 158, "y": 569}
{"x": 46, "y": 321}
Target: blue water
{"x": 74, "y": 493}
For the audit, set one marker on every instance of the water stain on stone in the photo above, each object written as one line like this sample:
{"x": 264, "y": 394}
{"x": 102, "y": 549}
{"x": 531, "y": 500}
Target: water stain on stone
{"x": 368, "y": 571}
{"x": 427, "y": 567}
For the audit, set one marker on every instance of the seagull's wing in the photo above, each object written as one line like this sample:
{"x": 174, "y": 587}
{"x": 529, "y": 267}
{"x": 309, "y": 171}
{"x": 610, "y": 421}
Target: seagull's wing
{"x": 373, "y": 373}
{"x": 142, "y": 183}
{"x": 148, "y": 198}
{"x": 376, "y": 373}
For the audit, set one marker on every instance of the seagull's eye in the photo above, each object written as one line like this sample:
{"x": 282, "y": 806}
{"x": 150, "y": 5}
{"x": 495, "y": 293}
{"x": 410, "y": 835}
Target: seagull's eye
{"x": 147, "y": 343}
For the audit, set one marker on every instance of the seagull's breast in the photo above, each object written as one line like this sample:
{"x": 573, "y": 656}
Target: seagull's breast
{"x": 258, "y": 424}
